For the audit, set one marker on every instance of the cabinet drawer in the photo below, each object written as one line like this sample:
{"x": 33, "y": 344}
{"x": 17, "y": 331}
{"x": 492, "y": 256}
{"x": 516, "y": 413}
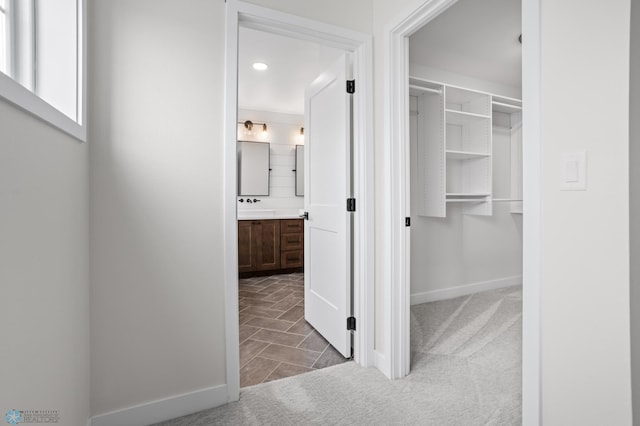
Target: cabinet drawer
{"x": 292, "y": 259}
{"x": 291, "y": 226}
{"x": 291, "y": 242}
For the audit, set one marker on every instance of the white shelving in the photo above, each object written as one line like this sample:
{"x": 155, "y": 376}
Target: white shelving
{"x": 464, "y": 155}
{"x": 455, "y": 148}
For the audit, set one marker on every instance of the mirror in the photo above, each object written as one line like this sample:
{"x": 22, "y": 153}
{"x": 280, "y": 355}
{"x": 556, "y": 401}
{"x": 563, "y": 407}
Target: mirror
{"x": 300, "y": 170}
{"x": 253, "y": 168}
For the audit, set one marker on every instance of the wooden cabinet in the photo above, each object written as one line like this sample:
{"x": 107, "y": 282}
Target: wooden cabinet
{"x": 246, "y": 249}
{"x": 258, "y": 245}
{"x": 270, "y": 246}
{"x": 291, "y": 243}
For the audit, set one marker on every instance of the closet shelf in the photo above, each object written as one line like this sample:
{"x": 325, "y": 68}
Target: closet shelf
{"x": 467, "y": 194}
{"x": 461, "y": 118}
{"x": 465, "y": 200}
{"x": 464, "y": 155}
{"x": 506, "y": 108}
{"x": 418, "y": 90}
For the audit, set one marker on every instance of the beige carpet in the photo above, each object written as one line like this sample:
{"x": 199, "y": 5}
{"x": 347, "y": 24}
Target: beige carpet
{"x": 466, "y": 370}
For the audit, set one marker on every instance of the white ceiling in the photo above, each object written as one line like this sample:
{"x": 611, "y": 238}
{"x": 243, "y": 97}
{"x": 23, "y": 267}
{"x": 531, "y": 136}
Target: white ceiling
{"x": 293, "y": 65}
{"x": 477, "y": 38}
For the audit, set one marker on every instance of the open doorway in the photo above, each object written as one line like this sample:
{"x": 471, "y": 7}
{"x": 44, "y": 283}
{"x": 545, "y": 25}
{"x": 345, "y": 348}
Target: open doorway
{"x": 359, "y": 47}
{"x": 464, "y": 194}
{"x": 277, "y": 338}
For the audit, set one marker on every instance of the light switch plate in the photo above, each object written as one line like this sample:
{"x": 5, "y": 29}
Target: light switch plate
{"x": 573, "y": 171}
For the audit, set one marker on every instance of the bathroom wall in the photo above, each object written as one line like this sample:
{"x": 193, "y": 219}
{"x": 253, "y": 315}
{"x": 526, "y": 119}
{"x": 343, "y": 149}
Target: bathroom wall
{"x": 283, "y": 135}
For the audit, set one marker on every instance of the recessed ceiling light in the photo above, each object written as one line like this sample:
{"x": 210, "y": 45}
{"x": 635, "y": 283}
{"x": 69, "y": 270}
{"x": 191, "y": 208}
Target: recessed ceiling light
{"x": 260, "y": 66}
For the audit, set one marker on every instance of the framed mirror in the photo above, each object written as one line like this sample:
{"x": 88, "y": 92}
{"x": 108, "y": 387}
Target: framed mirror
{"x": 300, "y": 170}
{"x": 253, "y": 168}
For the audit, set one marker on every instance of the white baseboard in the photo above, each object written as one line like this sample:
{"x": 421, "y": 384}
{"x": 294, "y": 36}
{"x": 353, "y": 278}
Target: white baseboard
{"x": 381, "y": 363}
{"x": 164, "y": 409}
{"x": 463, "y": 290}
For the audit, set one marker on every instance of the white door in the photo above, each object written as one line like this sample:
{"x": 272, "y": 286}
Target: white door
{"x": 327, "y": 241}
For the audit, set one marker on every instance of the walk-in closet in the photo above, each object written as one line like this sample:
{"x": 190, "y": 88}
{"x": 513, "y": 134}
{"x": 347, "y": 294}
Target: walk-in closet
{"x": 466, "y": 198}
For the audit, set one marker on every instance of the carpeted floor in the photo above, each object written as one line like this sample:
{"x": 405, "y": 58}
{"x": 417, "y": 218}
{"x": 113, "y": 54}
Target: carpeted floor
{"x": 466, "y": 370}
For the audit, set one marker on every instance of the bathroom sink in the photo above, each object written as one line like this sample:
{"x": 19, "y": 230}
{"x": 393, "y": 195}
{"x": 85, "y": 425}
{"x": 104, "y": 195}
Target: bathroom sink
{"x": 256, "y": 214}
{"x": 248, "y": 214}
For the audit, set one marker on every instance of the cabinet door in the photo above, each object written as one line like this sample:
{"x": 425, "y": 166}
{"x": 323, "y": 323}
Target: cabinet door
{"x": 267, "y": 238}
{"x": 246, "y": 246}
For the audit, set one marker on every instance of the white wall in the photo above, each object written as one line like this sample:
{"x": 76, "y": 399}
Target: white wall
{"x": 634, "y": 195}
{"x": 44, "y": 320}
{"x": 585, "y": 234}
{"x": 354, "y": 14}
{"x": 283, "y": 136}
{"x": 156, "y": 149}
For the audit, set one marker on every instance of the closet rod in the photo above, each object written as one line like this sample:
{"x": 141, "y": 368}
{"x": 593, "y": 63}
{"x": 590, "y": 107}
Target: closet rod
{"x": 426, "y": 89}
{"x": 510, "y": 106}
{"x": 506, "y": 199}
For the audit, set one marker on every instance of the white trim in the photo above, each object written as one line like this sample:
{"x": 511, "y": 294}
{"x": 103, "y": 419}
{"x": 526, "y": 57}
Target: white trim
{"x": 360, "y": 45}
{"x": 230, "y": 206}
{"x": 531, "y": 177}
{"x": 396, "y": 253}
{"x": 464, "y": 290}
{"x": 396, "y": 187}
{"x": 164, "y": 409}
{"x": 381, "y": 363}
{"x": 16, "y": 94}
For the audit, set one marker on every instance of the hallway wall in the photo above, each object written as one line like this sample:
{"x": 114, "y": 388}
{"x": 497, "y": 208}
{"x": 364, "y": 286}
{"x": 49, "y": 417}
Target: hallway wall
{"x": 155, "y": 117}
{"x": 584, "y": 257}
{"x": 44, "y": 278}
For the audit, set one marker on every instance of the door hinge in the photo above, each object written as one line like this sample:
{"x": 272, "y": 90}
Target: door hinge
{"x": 351, "y": 86}
{"x": 351, "y": 323}
{"x": 407, "y": 221}
{"x": 351, "y": 204}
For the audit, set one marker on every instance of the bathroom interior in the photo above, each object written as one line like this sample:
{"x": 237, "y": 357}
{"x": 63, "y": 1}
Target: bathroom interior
{"x": 275, "y": 339}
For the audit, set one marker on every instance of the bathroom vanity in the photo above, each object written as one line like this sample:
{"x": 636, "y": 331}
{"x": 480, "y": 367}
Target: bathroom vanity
{"x": 270, "y": 246}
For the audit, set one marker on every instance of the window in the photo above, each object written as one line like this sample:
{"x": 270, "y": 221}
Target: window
{"x": 41, "y": 50}
{"x": 4, "y": 37}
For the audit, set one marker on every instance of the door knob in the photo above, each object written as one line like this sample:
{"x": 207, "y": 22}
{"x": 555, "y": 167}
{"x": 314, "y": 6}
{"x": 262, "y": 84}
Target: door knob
{"x": 305, "y": 216}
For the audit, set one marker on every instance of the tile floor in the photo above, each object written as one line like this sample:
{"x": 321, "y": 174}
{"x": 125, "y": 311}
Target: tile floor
{"x": 275, "y": 340}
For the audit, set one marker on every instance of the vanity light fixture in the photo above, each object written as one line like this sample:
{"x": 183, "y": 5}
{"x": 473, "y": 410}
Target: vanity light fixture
{"x": 260, "y": 66}
{"x": 301, "y": 135}
{"x": 248, "y": 126}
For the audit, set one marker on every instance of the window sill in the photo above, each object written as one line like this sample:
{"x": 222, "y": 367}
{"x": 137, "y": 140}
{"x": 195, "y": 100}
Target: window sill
{"x": 16, "y": 94}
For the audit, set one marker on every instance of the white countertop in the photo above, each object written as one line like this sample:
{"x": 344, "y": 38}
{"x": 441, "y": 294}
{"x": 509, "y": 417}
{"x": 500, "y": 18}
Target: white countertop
{"x": 263, "y": 214}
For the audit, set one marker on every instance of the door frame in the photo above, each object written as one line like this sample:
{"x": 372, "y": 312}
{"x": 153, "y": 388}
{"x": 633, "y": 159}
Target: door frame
{"x": 240, "y": 14}
{"x": 396, "y": 250}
